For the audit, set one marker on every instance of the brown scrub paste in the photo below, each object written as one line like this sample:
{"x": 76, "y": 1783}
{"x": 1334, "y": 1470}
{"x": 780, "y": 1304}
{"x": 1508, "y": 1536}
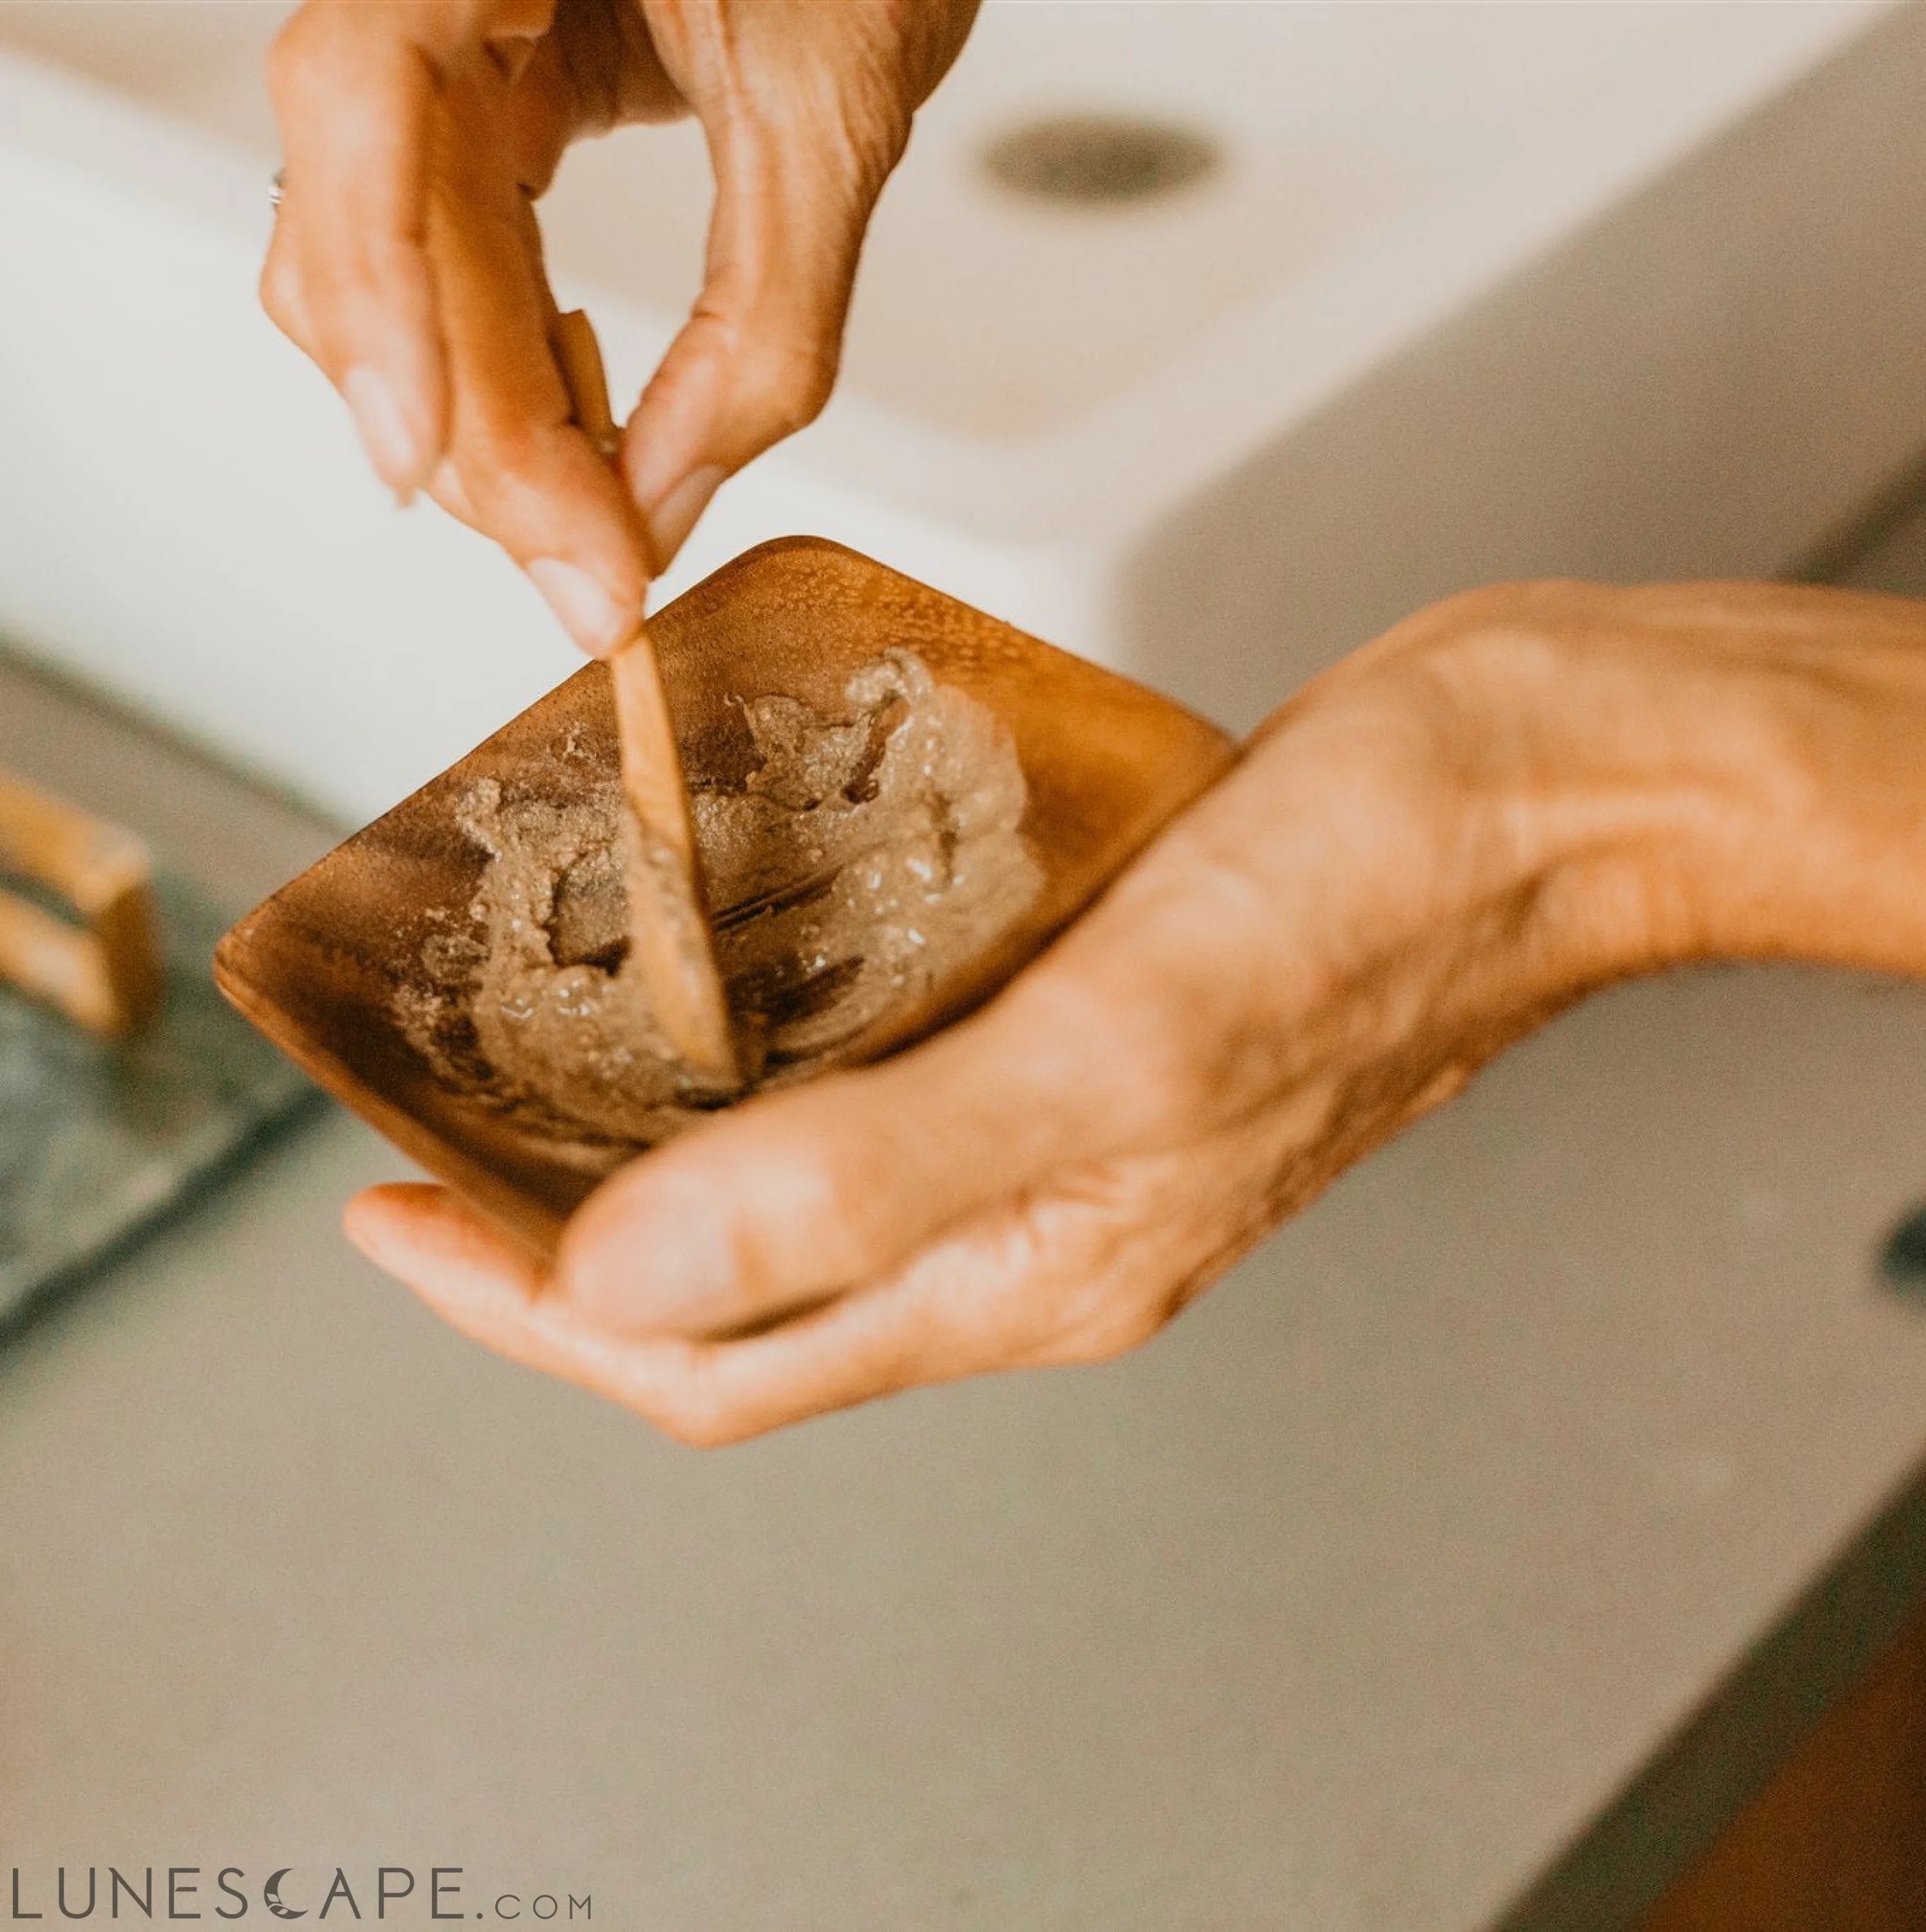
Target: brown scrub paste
{"x": 863, "y": 859}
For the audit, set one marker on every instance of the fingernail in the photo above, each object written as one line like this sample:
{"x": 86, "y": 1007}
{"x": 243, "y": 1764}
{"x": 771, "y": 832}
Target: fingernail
{"x": 670, "y": 521}
{"x": 366, "y": 1226}
{"x": 596, "y": 621}
{"x": 392, "y": 445}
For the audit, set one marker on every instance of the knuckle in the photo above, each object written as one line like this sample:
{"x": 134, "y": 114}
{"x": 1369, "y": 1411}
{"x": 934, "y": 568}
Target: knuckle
{"x": 484, "y": 498}
{"x": 1501, "y": 630}
{"x": 688, "y": 1405}
{"x": 1146, "y": 1047}
{"x": 811, "y": 1207}
{"x": 279, "y": 286}
{"x": 1175, "y": 1080}
{"x": 446, "y": 487}
{"x": 1503, "y": 603}
{"x": 771, "y": 1228}
{"x": 1095, "y": 1308}
{"x": 292, "y": 56}
{"x": 785, "y": 389}
{"x": 1160, "y": 1234}
{"x": 500, "y": 468}
{"x": 500, "y": 442}
{"x": 1105, "y": 1331}
{"x": 696, "y": 1422}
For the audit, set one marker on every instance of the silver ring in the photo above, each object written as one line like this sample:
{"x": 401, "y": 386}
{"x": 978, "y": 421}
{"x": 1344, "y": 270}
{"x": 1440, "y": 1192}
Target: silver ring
{"x": 277, "y": 188}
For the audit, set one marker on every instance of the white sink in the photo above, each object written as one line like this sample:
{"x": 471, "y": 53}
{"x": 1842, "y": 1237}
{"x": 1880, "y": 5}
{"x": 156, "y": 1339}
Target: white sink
{"x": 1472, "y": 291}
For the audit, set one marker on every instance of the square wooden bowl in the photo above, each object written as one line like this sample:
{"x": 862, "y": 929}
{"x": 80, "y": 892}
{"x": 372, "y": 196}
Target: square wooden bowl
{"x": 318, "y": 967}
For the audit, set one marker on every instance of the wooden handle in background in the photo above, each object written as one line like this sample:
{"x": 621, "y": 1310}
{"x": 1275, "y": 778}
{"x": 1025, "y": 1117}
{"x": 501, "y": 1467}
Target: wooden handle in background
{"x": 106, "y": 973}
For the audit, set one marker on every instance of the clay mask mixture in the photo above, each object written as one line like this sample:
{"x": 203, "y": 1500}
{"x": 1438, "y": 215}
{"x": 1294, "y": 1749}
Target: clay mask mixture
{"x": 863, "y": 859}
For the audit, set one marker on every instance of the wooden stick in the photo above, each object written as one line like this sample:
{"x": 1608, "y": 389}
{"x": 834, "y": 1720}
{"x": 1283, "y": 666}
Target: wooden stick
{"x": 578, "y": 355}
{"x": 668, "y": 919}
{"x": 107, "y": 975}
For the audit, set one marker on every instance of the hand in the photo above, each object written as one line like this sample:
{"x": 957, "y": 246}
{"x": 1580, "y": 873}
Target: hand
{"x": 1506, "y": 802}
{"x": 407, "y": 263}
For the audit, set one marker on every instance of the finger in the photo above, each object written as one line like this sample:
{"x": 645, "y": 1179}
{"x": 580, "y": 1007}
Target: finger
{"x": 1081, "y": 1273}
{"x": 412, "y": 1228}
{"x": 282, "y": 296}
{"x": 354, "y": 92}
{"x": 492, "y": 1290}
{"x": 801, "y": 1194}
{"x": 758, "y": 356}
{"x": 281, "y": 293}
{"x": 284, "y": 300}
{"x": 518, "y": 468}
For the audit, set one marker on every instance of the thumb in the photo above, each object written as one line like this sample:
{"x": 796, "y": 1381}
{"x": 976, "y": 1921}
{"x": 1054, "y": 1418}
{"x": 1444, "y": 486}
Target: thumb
{"x": 801, "y": 1195}
{"x": 758, "y": 357}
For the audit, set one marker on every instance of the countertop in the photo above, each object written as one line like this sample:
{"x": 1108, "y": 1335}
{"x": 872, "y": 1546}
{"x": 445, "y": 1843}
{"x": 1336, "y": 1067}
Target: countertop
{"x": 1464, "y": 1561}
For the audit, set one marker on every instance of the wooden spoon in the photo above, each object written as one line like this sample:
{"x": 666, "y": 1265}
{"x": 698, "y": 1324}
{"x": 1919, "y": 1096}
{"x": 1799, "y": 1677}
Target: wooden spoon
{"x": 669, "y": 931}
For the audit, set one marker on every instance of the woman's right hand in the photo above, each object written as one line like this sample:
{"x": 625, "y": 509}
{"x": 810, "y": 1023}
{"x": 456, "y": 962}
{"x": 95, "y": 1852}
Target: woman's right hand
{"x": 407, "y": 263}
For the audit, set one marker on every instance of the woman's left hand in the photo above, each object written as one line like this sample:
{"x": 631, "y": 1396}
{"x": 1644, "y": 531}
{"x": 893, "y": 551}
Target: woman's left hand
{"x": 1510, "y": 799}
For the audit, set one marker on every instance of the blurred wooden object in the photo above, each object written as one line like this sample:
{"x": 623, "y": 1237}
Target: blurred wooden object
{"x": 1836, "y": 1842}
{"x": 103, "y": 970}
{"x": 669, "y": 930}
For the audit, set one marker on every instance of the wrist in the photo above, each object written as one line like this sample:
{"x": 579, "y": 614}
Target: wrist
{"x": 1698, "y": 772}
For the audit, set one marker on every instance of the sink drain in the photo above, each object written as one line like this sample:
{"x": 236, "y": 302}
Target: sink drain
{"x": 1093, "y": 160}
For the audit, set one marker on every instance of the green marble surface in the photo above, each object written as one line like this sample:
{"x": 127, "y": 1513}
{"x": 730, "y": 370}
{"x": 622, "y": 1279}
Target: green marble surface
{"x": 99, "y": 1139}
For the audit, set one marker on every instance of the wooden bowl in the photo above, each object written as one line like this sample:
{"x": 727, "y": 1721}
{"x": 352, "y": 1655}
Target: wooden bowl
{"x": 318, "y": 967}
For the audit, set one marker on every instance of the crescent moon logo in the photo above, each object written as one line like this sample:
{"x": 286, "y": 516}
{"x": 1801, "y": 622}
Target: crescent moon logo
{"x": 271, "y": 1891}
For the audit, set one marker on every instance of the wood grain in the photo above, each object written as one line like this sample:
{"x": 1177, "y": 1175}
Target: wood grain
{"x": 103, "y": 969}
{"x": 1106, "y": 764}
{"x": 1836, "y": 1842}
{"x": 669, "y": 930}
